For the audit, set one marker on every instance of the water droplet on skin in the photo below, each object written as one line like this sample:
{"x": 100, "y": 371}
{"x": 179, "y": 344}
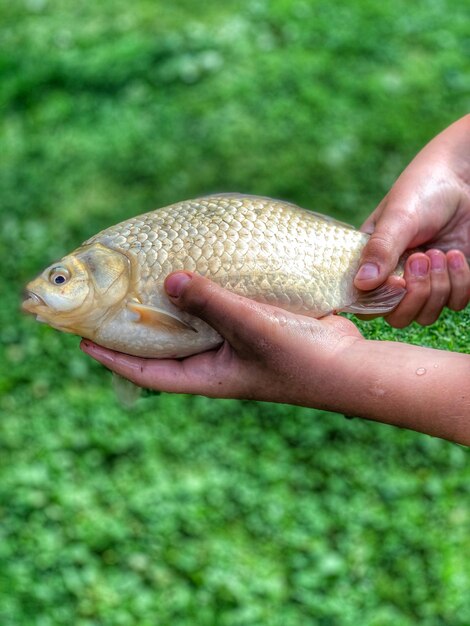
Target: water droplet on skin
{"x": 421, "y": 371}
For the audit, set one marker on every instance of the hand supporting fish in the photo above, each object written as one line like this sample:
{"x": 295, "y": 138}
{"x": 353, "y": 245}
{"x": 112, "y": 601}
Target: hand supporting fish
{"x": 276, "y": 356}
{"x": 110, "y": 289}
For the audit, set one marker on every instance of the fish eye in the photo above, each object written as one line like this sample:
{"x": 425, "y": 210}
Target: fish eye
{"x": 59, "y": 275}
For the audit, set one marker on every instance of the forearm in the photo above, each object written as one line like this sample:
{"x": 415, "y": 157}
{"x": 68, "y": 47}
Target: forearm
{"x": 409, "y": 386}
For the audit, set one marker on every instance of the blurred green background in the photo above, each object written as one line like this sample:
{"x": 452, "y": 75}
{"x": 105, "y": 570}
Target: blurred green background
{"x": 189, "y": 511}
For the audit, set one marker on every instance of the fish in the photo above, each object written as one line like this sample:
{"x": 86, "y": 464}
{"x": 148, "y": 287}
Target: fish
{"x": 111, "y": 288}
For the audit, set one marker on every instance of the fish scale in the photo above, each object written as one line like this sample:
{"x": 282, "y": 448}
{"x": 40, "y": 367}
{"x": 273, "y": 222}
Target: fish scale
{"x": 259, "y": 247}
{"x": 268, "y": 250}
{"x": 287, "y": 252}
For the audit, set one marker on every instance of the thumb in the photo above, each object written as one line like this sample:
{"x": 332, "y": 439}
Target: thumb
{"x": 393, "y": 232}
{"x": 236, "y": 318}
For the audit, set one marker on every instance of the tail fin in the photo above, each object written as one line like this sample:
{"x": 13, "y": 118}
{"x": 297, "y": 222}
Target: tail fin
{"x": 379, "y": 301}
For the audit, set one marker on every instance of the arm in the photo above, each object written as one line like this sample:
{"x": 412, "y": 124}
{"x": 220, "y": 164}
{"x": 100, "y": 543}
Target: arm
{"x": 272, "y": 355}
{"x": 410, "y": 386}
{"x": 429, "y": 205}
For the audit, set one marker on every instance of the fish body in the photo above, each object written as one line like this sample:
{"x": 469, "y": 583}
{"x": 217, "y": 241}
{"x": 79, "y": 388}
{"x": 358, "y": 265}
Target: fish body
{"x": 110, "y": 289}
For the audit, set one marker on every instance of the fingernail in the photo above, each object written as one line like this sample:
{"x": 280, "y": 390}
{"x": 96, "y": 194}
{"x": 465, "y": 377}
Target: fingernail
{"x": 438, "y": 262}
{"x": 419, "y": 267}
{"x": 456, "y": 262}
{"x": 368, "y": 271}
{"x": 176, "y": 283}
{"x": 85, "y": 346}
{"x": 88, "y": 347}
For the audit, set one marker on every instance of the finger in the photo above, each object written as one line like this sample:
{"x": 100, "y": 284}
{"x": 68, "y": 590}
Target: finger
{"x": 369, "y": 225}
{"x": 211, "y": 373}
{"x": 440, "y": 288}
{"x": 392, "y": 234}
{"x": 418, "y": 289}
{"x": 459, "y": 273}
{"x": 237, "y": 319}
{"x": 135, "y": 369}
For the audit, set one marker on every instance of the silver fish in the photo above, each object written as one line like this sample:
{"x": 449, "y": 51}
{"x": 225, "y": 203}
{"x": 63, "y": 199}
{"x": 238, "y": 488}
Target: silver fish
{"x": 110, "y": 289}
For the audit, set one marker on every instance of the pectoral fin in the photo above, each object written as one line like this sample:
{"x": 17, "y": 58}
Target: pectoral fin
{"x": 152, "y": 316}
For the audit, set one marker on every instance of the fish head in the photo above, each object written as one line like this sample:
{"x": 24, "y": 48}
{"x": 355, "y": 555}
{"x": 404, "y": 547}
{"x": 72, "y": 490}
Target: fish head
{"x": 79, "y": 291}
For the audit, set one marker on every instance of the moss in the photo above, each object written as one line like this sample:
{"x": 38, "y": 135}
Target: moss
{"x": 187, "y": 510}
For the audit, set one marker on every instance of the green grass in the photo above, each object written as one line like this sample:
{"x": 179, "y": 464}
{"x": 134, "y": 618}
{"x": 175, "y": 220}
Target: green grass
{"x": 189, "y": 511}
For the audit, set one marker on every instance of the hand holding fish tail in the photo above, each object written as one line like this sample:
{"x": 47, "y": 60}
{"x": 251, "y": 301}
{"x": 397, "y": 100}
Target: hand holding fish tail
{"x": 429, "y": 207}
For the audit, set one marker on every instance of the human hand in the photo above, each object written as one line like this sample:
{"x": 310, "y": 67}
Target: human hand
{"x": 272, "y": 355}
{"x": 429, "y": 205}
{"x": 267, "y": 354}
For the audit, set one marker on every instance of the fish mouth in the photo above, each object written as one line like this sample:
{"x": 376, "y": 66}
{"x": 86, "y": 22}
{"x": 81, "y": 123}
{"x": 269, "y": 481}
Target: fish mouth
{"x": 31, "y": 301}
